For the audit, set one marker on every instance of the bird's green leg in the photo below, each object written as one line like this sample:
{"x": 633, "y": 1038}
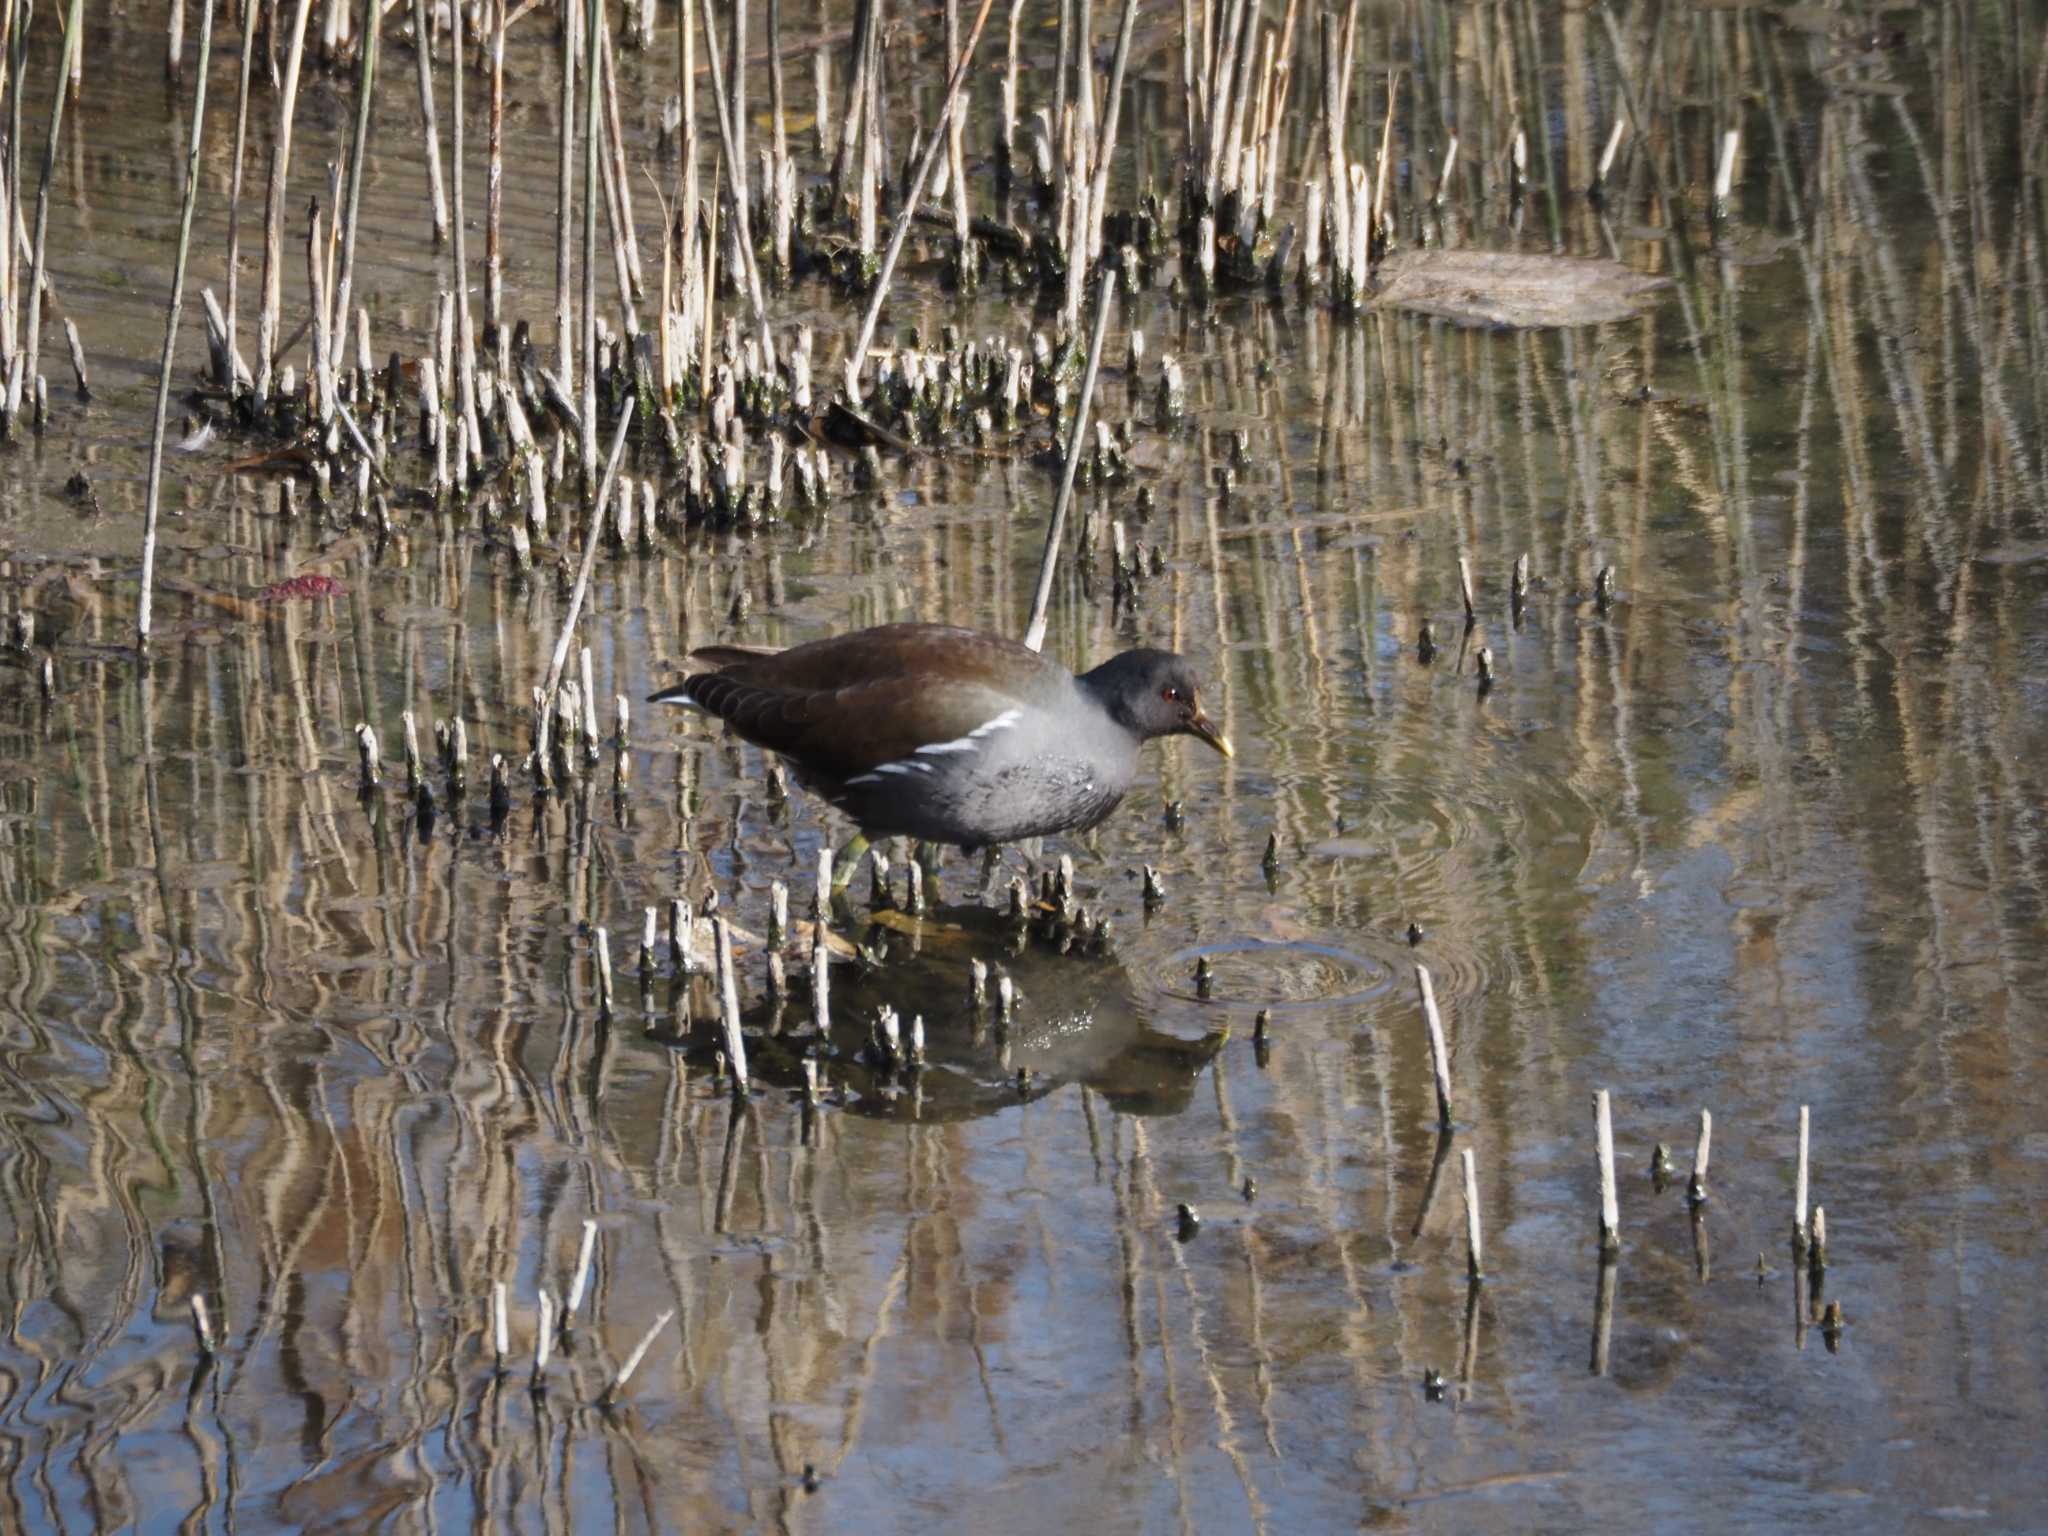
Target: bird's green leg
{"x": 843, "y": 862}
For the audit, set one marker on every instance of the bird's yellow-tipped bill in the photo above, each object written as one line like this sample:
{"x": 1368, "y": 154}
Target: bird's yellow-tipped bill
{"x": 1205, "y": 728}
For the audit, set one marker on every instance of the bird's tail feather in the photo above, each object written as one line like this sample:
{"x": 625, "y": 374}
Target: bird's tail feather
{"x": 730, "y": 655}
{"x": 710, "y": 659}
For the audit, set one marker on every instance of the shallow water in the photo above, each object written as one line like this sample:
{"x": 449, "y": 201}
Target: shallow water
{"x": 1767, "y": 833}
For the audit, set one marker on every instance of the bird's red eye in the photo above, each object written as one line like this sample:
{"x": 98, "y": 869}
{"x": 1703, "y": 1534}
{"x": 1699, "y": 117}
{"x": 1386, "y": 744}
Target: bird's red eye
{"x": 1171, "y": 693}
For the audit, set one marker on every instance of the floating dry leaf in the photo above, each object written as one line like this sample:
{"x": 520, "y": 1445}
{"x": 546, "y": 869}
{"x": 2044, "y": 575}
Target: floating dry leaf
{"x": 1510, "y": 288}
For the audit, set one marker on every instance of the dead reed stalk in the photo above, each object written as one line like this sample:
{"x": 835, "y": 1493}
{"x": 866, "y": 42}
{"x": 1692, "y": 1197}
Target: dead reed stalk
{"x": 153, "y": 499}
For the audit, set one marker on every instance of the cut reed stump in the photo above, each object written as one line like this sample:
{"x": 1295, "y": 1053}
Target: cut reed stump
{"x": 1696, "y": 1187}
{"x": 1610, "y": 1209}
{"x": 1799, "y": 1228}
{"x": 1439, "y": 1056}
{"x": 1475, "y": 1267}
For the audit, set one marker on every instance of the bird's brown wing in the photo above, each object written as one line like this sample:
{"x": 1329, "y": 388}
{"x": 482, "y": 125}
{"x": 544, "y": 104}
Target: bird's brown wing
{"x": 894, "y": 650}
{"x": 847, "y": 704}
{"x": 848, "y": 730}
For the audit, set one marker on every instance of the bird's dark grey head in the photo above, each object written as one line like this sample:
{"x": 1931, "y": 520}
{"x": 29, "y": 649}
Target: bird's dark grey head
{"x": 1153, "y": 693}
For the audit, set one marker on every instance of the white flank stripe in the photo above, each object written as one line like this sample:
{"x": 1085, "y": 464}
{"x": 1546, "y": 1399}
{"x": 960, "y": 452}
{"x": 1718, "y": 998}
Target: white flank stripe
{"x": 968, "y": 743}
{"x": 1002, "y": 722}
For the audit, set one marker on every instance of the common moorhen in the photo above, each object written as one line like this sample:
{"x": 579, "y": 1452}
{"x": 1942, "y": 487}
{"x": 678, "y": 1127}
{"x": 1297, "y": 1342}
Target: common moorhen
{"x": 947, "y": 734}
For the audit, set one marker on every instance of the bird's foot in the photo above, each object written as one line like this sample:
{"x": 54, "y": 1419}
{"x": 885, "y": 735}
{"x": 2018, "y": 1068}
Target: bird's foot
{"x": 844, "y": 861}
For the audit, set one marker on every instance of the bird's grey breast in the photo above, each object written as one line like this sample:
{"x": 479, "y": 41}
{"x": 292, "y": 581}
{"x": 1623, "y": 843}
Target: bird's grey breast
{"x": 1023, "y": 771}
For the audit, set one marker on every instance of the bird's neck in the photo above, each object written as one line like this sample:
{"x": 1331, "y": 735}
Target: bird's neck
{"x": 1104, "y": 686}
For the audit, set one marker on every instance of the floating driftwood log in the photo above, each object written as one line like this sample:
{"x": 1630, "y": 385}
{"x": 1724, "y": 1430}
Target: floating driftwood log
{"x": 1509, "y": 288}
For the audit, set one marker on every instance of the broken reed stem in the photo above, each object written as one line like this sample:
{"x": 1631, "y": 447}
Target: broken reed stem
{"x": 577, "y": 1286}
{"x": 618, "y": 1382}
{"x": 1098, "y": 196}
{"x": 1799, "y": 1185}
{"x": 741, "y": 184}
{"x": 323, "y": 360}
{"x": 604, "y": 966}
{"x": 370, "y": 759}
{"x": 956, "y": 164}
{"x": 821, "y": 984}
{"x": 1610, "y": 1207}
{"x": 588, "y": 695}
{"x": 1062, "y": 52}
{"x": 736, "y": 180}
{"x": 1615, "y": 135}
{"x": 1724, "y": 172}
{"x": 273, "y": 206}
{"x": 686, "y": 81}
{"x": 824, "y": 134}
{"x": 1222, "y": 65}
{"x": 591, "y": 541}
{"x": 729, "y": 1005}
{"x": 1081, "y": 51}
{"x": 1475, "y": 1266}
{"x": 1439, "y": 1057}
{"x": 465, "y": 337}
{"x": 422, "y": 47}
{"x": 233, "y": 383}
{"x": 618, "y": 224}
{"x": 565, "y": 200}
{"x": 681, "y": 937}
{"x": 11, "y": 256}
{"x": 494, "y": 199}
{"x": 544, "y": 1337}
{"x": 11, "y": 53}
{"x": 852, "y": 108}
{"x": 366, "y": 91}
{"x": 154, "y": 498}
{"x": 1379, "y": 190}
{"x": 73, "y": 25}
{"x": 1334, "y": 165}
{"x": 78, "y": 357}
{"x": 869, "y": 196}
{"x": 1006, "y": 140}
{"x": 619, "y": 202}
{"x": 593, "y": 129}
{"x": 1696, "y": 1187}
{"x": 708, "y": 288}
{"x": 779, "y": 161}
{"x": 907, "y": 214}
{"x": 665, "y": 312}
{"x": 1034, "y": 631}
